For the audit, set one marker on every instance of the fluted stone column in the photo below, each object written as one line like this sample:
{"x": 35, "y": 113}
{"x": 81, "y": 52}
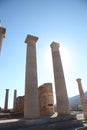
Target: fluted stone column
{"x": 2, "y": 35}
{"x": 31, "y": 102}
{"x": 6, "y": 100}
{"x": 60, "y": 86}
{"x": 14, "y": 101}
{"x": 82, "y": 97}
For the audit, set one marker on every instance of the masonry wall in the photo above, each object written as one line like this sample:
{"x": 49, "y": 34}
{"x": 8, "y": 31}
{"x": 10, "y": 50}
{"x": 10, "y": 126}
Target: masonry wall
{"x": 19, "y": 104}
{"x": 46, "y": 100}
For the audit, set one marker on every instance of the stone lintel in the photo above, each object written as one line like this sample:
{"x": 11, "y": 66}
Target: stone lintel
{"x": 54, "y": 45}
{"x": 2, "y": 31}
{"x": 30, "y": 38}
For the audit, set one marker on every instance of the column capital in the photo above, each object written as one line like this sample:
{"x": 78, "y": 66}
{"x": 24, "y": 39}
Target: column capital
{"x": 31, "y": 38}
{"x": 7, "y": 89}
{"x": 3, "y": 31}
{"x": 54, "y": 45}
{"x": 78, "y": 80}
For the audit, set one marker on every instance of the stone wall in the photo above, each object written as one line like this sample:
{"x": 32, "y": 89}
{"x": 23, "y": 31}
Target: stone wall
{"x": 19, "y": 107}
{"x": 46, "y": 101}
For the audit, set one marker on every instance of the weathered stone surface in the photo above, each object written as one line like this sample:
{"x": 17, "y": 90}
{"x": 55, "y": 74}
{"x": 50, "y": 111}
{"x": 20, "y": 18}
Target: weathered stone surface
{"x": 31, "y": 100}
{"x": 82, "y": 97}
{"x": 19, "y": 104}
{"x": 60, "y": 86}
{"x": 46, "y": 100}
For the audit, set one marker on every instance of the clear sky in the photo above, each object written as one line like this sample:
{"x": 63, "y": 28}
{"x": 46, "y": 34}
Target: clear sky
{"x": 62, "y": 21}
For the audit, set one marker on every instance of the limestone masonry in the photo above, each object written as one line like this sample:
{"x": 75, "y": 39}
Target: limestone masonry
{"x": 46, "y": 100}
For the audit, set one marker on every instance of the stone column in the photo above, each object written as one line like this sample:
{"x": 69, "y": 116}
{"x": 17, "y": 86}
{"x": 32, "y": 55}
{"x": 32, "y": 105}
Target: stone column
{"x": 82, "y": 97}
{"x": 14, "y": 101}
{"x": 60, "y": 86}
{"x": 2, "y": 35}
{"x": 6, "y": 100}
{"x": 31, "y": 102}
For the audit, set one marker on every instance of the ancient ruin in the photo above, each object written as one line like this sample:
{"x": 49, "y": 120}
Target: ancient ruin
{"x": 14, "y": 101}
{"x": 31, "y": 100}
{"x": 6, "y": 100}
{"x": 46, "y": 100}
{"x": 37, "y": 104}
{"x": 19, "y": 105}
{"x": 60, "y": 86}
{"x": 82, "y": 97}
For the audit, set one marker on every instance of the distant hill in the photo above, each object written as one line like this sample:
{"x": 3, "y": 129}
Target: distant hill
{"x": 76, "y": 99}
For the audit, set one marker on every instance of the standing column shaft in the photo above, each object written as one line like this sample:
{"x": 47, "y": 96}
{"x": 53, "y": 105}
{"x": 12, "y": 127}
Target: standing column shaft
{"x": 14, "y": 101}
{"x": 6, "y": 99}
{"x": 82, "y": 97}
{"x": 60, "y": 86}
{"x": 2, "y": 35}
{"x": 31, "y": 103}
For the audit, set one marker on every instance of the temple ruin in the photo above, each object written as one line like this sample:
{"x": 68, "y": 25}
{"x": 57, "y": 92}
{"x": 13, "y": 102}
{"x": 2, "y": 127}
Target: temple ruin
{"x": 37, "y": 104}
{"x": 46, "y": 101}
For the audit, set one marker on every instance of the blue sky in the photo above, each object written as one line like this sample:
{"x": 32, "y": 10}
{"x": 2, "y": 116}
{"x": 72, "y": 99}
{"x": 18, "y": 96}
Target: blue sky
{"x": 62, "y": 21}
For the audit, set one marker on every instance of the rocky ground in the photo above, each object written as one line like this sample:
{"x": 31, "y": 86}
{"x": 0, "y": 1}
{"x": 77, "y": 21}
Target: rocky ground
{"x": 79, "y": 116}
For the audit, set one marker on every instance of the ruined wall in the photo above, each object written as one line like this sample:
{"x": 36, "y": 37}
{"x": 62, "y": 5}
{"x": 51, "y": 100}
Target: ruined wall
{"x": 19, "y": 107}
{"x": 46, "y": 101}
